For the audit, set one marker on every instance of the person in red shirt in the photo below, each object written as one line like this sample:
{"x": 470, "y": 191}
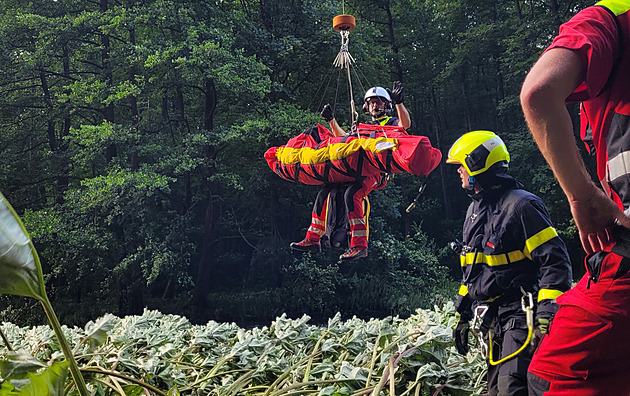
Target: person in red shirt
{"x": 586, "y": 351}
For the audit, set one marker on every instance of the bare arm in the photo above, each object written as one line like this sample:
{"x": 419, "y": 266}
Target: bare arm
{"x": 403, "y": 116}
{"x": 328, "y": 114}
{"x": 556, "y": 74}
{"x": 336, "y": 129}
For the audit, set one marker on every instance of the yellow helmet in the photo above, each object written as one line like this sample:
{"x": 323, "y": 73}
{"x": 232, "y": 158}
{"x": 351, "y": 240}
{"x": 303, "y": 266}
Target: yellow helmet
{"x": 477, "y": 151}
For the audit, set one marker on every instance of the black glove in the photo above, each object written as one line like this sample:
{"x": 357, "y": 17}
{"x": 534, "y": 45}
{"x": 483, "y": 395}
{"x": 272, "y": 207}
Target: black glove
{"x": 396, "y": 94}
{"x": 460, "y": 336}
{"x": 327, "y": 113}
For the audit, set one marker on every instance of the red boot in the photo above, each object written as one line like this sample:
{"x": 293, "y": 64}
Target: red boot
{"x": 353, "y": 253}
{"x": 306, "y": 245}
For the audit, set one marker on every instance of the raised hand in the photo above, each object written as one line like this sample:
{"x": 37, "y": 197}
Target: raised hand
{"x": 327, "y": 112}
{"x": 397, "y": 93}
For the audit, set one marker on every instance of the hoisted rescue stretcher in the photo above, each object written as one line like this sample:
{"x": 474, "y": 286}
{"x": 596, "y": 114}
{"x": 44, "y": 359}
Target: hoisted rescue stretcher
{"x": 317, "y": 157}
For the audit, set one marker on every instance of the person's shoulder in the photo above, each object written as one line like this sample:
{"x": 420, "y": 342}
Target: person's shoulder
{"x": 522, "y": 194}
{"x": 590, "y": 17}
{"x": 519, "y": 198}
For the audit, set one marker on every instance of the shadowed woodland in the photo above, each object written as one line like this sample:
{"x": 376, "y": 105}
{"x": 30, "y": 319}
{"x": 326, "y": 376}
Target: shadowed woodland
{"x": 132, "y": 135}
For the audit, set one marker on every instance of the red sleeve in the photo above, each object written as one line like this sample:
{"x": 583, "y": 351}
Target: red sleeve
{"x": 593, "y": 34}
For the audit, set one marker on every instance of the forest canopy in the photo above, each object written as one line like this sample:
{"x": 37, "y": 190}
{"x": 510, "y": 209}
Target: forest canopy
{"x": 133, "y": 133}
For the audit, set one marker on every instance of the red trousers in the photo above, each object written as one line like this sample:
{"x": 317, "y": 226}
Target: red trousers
{"x": 353, "y": 198}
{"x": 587, "y": 349}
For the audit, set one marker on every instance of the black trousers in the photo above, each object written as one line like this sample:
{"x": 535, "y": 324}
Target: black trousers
{"x": 510, "y": 377}
{"x": 537, "y": 385}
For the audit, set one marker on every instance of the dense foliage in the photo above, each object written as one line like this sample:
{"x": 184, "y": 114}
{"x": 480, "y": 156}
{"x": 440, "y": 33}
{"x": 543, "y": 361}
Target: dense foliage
{"x": 132, "y": 134}
{"x": 167, "y": 354}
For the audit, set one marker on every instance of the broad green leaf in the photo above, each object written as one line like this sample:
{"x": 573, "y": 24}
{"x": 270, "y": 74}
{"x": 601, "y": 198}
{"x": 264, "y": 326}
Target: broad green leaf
{"x": 96, "y": 333}
{"x": 49, "y": 382}
{"x": 18, "y": 263}
{"x": 327, "y": 391}
{"x": 17, "y": 365}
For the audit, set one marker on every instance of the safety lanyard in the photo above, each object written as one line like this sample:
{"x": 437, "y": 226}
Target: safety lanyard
{"x": 527, "y": 305}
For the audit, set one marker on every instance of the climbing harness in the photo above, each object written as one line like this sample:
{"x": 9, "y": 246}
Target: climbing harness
{"x": 478, "y": 326}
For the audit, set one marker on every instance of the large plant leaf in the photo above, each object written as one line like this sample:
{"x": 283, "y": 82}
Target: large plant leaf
{"x": 96, "y": 333}
{"x": 18, "y": 264}
{"x": 17, "y": 365}
{"x": 49, "y": 382}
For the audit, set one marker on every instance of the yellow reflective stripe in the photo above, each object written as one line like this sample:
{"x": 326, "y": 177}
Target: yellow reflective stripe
{"x": 548, "y": 294}
{"x": 317, "y": 221}
{"x": 463, "y": 290}
{"x": 618, "y": 7}
{"x": 516, "y": 255}
{"x": 366, "y": 214}
{"x": 492, "y": 259}
{"x": 317, "y": 231}
{"x": 543, "y": 236}
{"x": 384, "y": 122}
{"x": 335, "y": 151}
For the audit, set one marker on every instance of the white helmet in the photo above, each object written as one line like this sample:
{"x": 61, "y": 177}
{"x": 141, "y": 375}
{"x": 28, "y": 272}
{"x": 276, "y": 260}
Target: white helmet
{"x": 378, "y": 92}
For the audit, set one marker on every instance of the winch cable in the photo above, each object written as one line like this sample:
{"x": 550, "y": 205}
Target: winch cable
{"x": 321, "y": 90}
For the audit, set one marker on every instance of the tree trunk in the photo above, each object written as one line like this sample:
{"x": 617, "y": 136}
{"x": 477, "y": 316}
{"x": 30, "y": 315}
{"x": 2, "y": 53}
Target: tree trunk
{"x": 202, "y": 283}
{"x": 108, "y": 111}
{"x": 210, "y": 105}
{"x": 519, "y": 12}
{"x": 204, "y": 269}
{"x": 56, "y": 143}
{"x": 555, "y": 11}
{"x": 52, "y": 136}
{"x": 464, "y": 76}
{"x": 396, "y": 66}
{"x": 135, "y": 113}
{"x": 181, "y": 113}
{"x": 63, "y": 179}
{"x": 438, "y": 144}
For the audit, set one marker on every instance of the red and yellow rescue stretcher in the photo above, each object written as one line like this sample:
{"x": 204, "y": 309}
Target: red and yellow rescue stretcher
{"x": 317, "y": 157}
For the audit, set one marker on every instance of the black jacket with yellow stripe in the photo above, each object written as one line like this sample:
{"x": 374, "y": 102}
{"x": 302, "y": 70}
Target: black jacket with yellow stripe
{"x": 509, "y": 243}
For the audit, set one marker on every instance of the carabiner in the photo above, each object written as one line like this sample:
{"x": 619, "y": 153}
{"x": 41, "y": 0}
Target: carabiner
{"x": 480, "y": 312}
{"x": 483, "y": 344}
{"x": 527, "y": 295}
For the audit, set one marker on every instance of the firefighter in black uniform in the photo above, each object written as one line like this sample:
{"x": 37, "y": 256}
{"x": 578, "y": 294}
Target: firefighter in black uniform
{"x": 514, "y": 264}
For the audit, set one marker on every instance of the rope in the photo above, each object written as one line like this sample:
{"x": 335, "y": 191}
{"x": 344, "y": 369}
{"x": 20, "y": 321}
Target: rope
{"x": 323, "y": 91}
{"x": 361, "y": 78}
{"x": 344, "y": 61}
{"x": 529, "y": 315}
{"x": 337, "y": 91}
{"x": 355, "y": 115}
{"x": 530, "y": 330}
